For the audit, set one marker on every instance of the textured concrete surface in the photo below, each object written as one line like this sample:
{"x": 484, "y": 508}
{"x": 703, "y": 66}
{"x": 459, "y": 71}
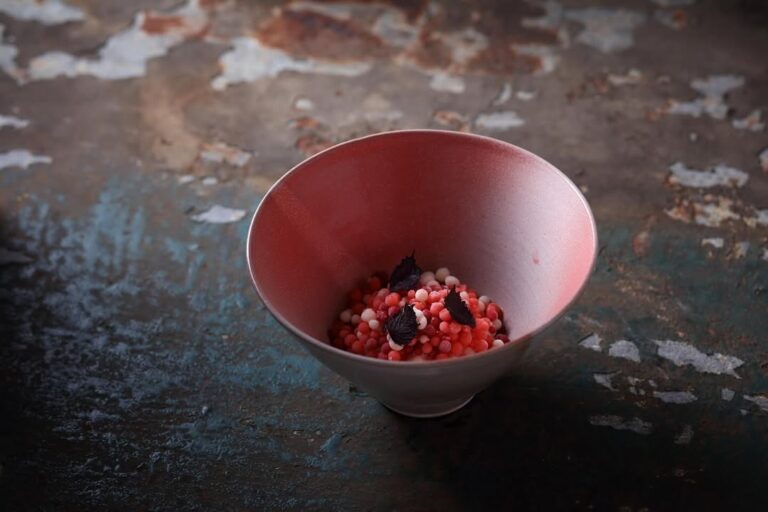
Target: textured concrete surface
{"x": 141, "y": 372}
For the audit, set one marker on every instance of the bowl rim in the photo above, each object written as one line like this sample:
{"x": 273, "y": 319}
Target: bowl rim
{"x": 404, "y": 364}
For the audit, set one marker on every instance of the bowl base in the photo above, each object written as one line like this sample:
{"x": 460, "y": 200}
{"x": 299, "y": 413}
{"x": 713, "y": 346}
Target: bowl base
{"x": 429, "y": 410}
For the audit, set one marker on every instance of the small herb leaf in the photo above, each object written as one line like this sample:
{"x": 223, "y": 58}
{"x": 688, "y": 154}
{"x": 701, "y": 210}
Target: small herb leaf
{"x": 406, "y": 275}
{"x": 403, "y": 326}
{"x": 458, "y": 309}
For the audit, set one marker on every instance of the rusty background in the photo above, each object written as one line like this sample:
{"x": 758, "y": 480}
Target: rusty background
{"x": 139, "y": 371}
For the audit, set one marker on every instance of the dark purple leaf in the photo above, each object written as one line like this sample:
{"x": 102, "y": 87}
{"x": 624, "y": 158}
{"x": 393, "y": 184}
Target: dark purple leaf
{"x": 458, "y": 309}
{"x": 402, "y": 327}
{"x": 406, "y": 275}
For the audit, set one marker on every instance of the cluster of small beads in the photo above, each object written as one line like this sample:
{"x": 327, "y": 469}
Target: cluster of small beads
{"x": 361, "y": 327}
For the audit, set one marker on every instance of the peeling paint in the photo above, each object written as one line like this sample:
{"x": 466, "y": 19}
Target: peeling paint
{"x": 604, "y": 379}
{"x": 763, "y": 159}
{"x": 13, "y": 122}
{"x": 727, "y": 394}
{"x": 752, "y": 122}
{"x": 526, "y": 95}
{"x": 740, "y": 249}
{"x": 504, "y": 95}
{"x": 685, "y": 437}
{"x": 625, "y": 350}
{"x": 675, "y": 397}
{"x": 249, "y": 61}
{"x": 711, "y": 213}
{"x": 712, "y": 102}
{"x": 592, "y": 342}
{"x": 219, "y": 152}
{"x": 618, "y": 423}
{"x": 125, "y": 55}
{"x": 760, "y": 400}
{"x": 8, "y": 53}
{"x": 607, "y": 30}
{"x": 717, "y": 243}
{"x": 631, "y": 77}
{"x": 685, "y": 354}
{"x": 22, "y": 158}
{"x": 47, "y": 12}
{"x": 219, "y": 215}
{"x": 303, "y": 104}
{"x": 720, "y": 175}
{"x": 444, "y": 82}
{"x": 499, "y": 121}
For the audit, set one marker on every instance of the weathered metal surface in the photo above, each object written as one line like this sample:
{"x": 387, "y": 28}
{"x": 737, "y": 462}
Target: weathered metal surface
{"x": 140, "y": 371}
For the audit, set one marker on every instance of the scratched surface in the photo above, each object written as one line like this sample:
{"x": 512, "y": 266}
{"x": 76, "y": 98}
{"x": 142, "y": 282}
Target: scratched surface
{"x": 141, "y": 372}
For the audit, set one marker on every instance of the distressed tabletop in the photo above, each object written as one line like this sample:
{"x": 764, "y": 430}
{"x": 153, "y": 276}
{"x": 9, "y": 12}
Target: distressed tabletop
{"x": 141, "y": 372}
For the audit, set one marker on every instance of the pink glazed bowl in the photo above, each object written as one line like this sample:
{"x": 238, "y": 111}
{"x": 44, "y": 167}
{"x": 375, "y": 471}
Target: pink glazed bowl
{"x": 503, "y": 220}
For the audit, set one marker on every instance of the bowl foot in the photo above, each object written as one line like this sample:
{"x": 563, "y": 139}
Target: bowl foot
{"x": 431, "y": 410}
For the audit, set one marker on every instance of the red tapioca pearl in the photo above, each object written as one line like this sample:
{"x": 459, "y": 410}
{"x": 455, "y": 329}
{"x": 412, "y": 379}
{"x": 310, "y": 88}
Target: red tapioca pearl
{"x": 382, "y": 356}
{"x": 357, "y": 347}
{"x": 445, "y": 315}
{"x": 503, "y": 337}
{"x": 349, "y": 339}
{"x": 434, "y": 322}
{"x": 457, "y": 349}
{"x": 392, "y": 311}
{"x": 394, "y": 356}
{"x": 393, "y": 299}
{"x": 455, "y": 327}
{"x": 492, "y": 312}
{"x": 371, "y": 344}
{"x": 479, "y": 345}
{"x": 465, "y": 338}
{"x": 436, "y": 307}
{"x": 468, "y": 351}
{"x": 427, "y": 348}
{"x": 443, "y": 293}
{"x": 445, "y": 327}
{"x": 385, "y": 348}
{"x": 430, "y": 330}
{"x": 454, "y": 337}
{"x": 444, "y": 347}
{"x": 411, "y": 294}
{"x": 361, "y": 336}
{"x": 419, "y": 305}
{"x": 381, "y": 315}
{"x": 434, "y": 296}
{"x": 367, "y": 314}
{"x": 363, "y": 327}
{"x": 345, "y": 331}
{"x": 421, "y": 295}
{"x": 435, "y": 340}
{"x": 377, "y": 302}
{"x": 440, "y": 357}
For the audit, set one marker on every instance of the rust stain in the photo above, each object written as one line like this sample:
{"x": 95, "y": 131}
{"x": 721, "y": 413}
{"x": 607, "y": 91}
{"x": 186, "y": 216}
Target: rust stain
{"x": 305, "y": 123}
{"x": 503, "y": 58}
{"x": 452, "y": 120}
{"x": 160, "y": 24}
{"x": 430, "y": 52}
{"x": 309, "y": 34}
{"x": 412, "y": 9}
{"x": 312, "y": 143}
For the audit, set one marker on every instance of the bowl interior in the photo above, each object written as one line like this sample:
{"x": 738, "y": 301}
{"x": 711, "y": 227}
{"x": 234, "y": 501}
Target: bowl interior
{"x": 500, "y": 218}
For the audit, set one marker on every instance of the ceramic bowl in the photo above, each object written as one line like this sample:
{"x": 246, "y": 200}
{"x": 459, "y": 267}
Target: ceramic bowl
{"x": 502, "y": 219}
